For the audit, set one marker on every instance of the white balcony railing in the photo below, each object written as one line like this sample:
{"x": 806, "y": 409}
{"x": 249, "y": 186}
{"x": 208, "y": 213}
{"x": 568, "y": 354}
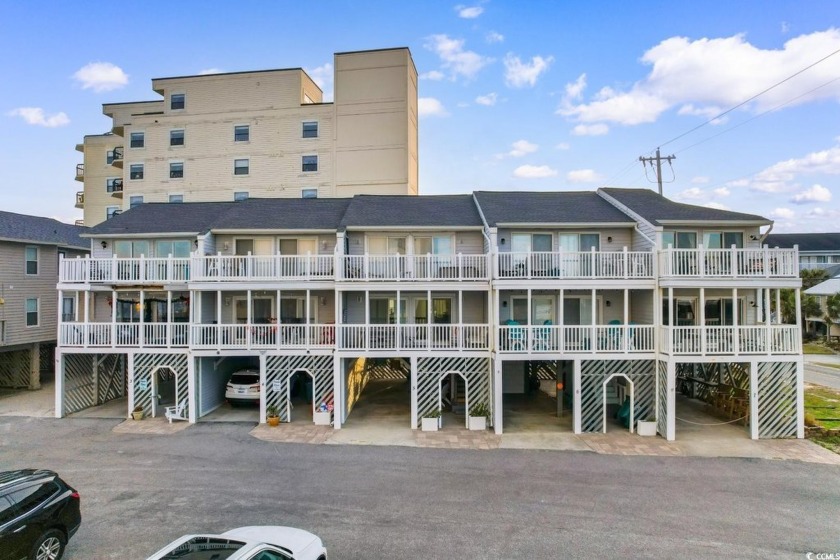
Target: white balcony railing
{"x": 414, "y": 267}
{"x": 414, "y": 337}
{"x": 124, "y": 335}
{"x": 262, "y": 336}
{"x": 758, "y": 339}
{"x": 584, "y": 265}
{"x": 570, "y": 339}
{"x": 123, "y": 271}
{"x": 729, "y": 263}
{"x": 221, "y": 268}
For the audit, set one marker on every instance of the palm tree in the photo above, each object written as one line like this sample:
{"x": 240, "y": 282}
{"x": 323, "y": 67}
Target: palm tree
{"x": 812, "y": 277}
{"x": 832, "y": 311}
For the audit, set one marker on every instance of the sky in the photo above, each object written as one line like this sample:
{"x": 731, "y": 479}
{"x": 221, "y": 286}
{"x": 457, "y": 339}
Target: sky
{"x": 513, "y": 95}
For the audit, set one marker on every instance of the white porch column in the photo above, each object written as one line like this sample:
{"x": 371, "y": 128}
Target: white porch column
{"x": 129, "y": 360}
{"x": 702, "y": 310}
{"x": 263, "y": 388}
{"x": 497, "y": 396}
{"x": 142, "y": 319}
{"x": 460, "y": 334}
{"x": 766, "y": 307}
{"x": 338, "y": 394}
{"x": 561, "y": 335}
{"x": 249, "y": 320}
{"x": 736, "y": 323}
{"x": 367, "y": 319}
{"x": 626, "y": 338}
{"x": 86, "y": 328}
{"x": 60, "y": 362}
{"x": 413, "y": 373}
{"x": 754, "y": 419}
{"x": 528, "y": 338}
{"x": 495, "y": 321}
{"x": 671, "y": 405}
{"x": 398, "y": 337}
{"x": 192, "y": 389}
{"x": 593, "y": 345}
{"x": 576, "y": 404}
{"x": 778, "y": 306}
{"x": 169, "y": 315}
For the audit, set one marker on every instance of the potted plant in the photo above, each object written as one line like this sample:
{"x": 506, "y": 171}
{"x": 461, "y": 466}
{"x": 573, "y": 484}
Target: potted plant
{"x": 646, "y": 427}
{"x": 431, "y": 421}
{"x": 272, "y": 415}
{"x": 478, "y": 417}
{"x": 137, "y": 413}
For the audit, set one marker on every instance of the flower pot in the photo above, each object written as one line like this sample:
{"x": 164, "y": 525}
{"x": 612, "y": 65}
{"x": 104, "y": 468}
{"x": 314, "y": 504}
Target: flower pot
{"x": 273, "y": 420}
{"x": 646, "y": 427}
{"x": 429, "y": 424}
{"x": 477, "y": 423}
{"x": 137, "y": 415}
{"x": 322, "y": 418}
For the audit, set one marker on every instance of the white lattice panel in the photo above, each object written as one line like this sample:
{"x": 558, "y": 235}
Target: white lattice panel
{"x": 146, "y": 365}
{"x": 477, "y": 372}
{"x": 14, "y": 369}
{"x": 662, "y": 398}
{"x": 777, "y": 416}
{"x": 593, "y": 375}
{"x": 79, "y": 389}
{"x": 280, "y": 368}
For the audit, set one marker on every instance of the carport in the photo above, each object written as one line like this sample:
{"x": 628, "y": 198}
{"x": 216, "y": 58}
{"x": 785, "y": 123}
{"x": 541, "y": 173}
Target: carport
{"x": 212, "y": 374}
{"x": 530, "y": 396}
{"x": 377, "y": 393}
{"x": 87, "y": 380}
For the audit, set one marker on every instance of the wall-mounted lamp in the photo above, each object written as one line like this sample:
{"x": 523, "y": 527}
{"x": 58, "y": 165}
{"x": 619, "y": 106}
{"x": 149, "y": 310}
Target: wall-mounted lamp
{"x": 504, "y": 303}
{"x": 195, "y": 242}
{"x": 502, "y": 241}
{"x": 607, "y": 303}
{"x": 227, "y": 302}
{"x": 324, "y": 244}
{"x": 753, "y": 304}
{"x": 753, "y": 238}
{"x": 322, "y": 300}
{"x": 104, "y": 244}
{"x": 225, "y": 246}
{"x": 609, "y": 239}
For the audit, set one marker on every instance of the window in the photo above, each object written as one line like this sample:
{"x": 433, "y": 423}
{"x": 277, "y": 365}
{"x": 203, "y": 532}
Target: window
{"x": 32, "y": 312}
{"x": 723, "y": 240}
{"x": 530, "y": 242}
{"x": 176, "y": 170}
{"x": 178, "y": 249}
{"x": 241, "y": 133}
{"x": 135, "y": 172}
{"x": 113, "y": 184}
{"x": 309, "y": 193}
{"x": 31, "y": 260}
{"x": 111, "y": 211}
{"x": 310, "y": 129}
{"x": 176, "y": 198}
{"x": 138, "y": 140}
{"x": 679, "y": 239}
{"x": 68, "y": 309}
{"x": 177, "y": 101}
{"x": 176, "y": 137}
{"x": 240, "y": 167}
{"x": 239, "y": 196}
{"x": 309, "y": 163}
{"x": 131, "y": 249}
{"x": 579, "y": 242}
{"x": 33, "y": 497}
{"x": 270, "y": 555}
{"x": 136, "y": 200}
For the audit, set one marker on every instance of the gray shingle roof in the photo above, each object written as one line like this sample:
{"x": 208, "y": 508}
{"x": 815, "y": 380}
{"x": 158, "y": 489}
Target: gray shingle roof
{"x": 411, "y": 211}
{"x": 151, "y": 217}
{"x": 36, "y": 229}
{"x": 806, "y": 241}
{"x": 656, "y": 208}
{"x": 562, "y": 207}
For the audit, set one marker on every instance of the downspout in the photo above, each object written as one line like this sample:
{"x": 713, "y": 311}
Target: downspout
{"x": 765, "y": 234}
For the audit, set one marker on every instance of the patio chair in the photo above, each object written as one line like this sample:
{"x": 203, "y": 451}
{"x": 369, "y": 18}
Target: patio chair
{"x": 177, "y": 412}
{"x": 516, "y": 336}
{"x": 542, "y": 336}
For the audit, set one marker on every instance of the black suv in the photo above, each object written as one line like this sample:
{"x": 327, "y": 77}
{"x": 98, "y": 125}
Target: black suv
{"x": 39, "y": 513}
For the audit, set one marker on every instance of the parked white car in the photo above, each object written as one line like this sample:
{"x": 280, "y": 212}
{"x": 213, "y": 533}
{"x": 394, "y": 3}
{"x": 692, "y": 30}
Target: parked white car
{"x": 243, "y": 387}
{"x": 246, "y": 543}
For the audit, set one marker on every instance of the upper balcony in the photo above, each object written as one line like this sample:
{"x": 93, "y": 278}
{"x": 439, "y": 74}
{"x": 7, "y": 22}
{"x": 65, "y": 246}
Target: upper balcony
{"x": 413, "y": 268}
{"x": 123, "y": 335}
{"x": 588, "y": 265}
{"x": 89, "y": 270}
{"x": 414, "y": 337}
{"x": 79, "y": 222}
{"x": 115, "y": 188}
{"x": 80, "y": 171}
{"x": 721, "y": 264}
{"x": 270, "y": 268}
{"x": 575, "y": 339}
{"x": 731, "y": 340}
{"x": 118, "y": 157}
{"x": 80, "y": 199}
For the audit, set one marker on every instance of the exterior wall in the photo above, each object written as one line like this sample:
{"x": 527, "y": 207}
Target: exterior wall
{"x": 475, "y": 305}
{"x": 621, "y": 237}
{"x": 318, "y": 313}
{"x": 97, "y": 172}
{"x": 226, "y": 243}
{"x": 464, "y": 242}
{"x": 605, "y": 313}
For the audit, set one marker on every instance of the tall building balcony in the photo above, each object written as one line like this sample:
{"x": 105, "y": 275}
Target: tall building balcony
{"x": 115, "y": 188}
{"x": 118, "y": 157}
{"x": 80, "y": 199}
{"x": 80, "y": 171}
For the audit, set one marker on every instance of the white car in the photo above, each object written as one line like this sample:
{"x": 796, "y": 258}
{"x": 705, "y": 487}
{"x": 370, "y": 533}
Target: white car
{"x": 246, "y": 543}
{"x": 243, "y": 387}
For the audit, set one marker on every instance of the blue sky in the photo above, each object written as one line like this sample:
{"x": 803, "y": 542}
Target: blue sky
{"x": 513, "y": 95}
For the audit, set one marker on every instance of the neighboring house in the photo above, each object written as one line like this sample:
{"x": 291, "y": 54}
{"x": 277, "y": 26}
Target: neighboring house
{"x": 612, "y": 292}
{"x": 30, "y": 248}
{"x": 821, "y": 291}
{"x": 816, "y": 250}
{"x": 258, "y": 134}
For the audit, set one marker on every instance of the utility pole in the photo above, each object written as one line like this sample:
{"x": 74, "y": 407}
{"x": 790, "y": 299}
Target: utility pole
{"x": 658, "y": 159}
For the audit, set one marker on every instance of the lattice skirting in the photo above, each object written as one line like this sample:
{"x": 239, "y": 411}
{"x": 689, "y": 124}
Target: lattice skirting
{"x": 47, "y": 357}
{"x": 477, "y": 372}
{"x": 146, "y": 366}
{"x": 662, "y": 398}
{"x": 92, "y": 379}
{"x": 14, "y": 369}
{"x": 593, "y": 375}
{"x": 280, "y": 369}
{"x": 777, "y": 417}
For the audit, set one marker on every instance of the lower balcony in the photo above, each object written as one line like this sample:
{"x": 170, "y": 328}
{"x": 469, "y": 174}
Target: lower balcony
{"x": 575, "y": 339}
{"x": 263, "y": 337}
{"x": 123, "y": 335}
{"x": 413, "y": 337}
{"x": 731, "y": 340}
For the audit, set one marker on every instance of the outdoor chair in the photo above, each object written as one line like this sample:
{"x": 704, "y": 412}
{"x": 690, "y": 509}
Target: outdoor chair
{"x": 516, "y": 336}
{"x": 177, "y": 412}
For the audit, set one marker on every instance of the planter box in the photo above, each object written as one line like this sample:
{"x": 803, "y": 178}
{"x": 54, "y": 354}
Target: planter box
{"x": 322, "y": 418}
{"x": 645, "y": 428}
{"x": 429, "y": 424}
{"x": 137, "y": 415}
{"x": 477, "y": 423}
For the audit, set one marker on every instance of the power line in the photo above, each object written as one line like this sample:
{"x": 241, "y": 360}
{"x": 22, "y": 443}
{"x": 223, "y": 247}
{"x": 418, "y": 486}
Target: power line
{"x": 658, "y": 159}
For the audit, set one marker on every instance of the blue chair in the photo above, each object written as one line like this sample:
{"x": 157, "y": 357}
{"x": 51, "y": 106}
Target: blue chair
{"x": 542, "y": 336}
{"x": 516, "y": 336}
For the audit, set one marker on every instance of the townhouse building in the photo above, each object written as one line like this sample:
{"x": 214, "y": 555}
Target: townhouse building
{"x": 817, "y": 251}
{"x": 30, "y": 249}
{"x": 260, "y": 134}
{"x": 611, "y": 295}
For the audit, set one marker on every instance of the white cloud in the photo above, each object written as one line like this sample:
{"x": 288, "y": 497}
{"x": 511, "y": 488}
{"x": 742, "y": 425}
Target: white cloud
{"x": 705, "y": 112}
{"x": 534, "y": 172}
{"x": 699, "y": 180}
{"x": 574, "y": 90}
{"x": 430, "y": 107}
{"x": 816, "y": 193}
{"x": 716, "y": 205}
{"x": 722, "y": 191}
{"x": 783, "y": 213}
{"x": 454, "y": 58}
{"x": 521, "y": 148}
{"x": 598, "y": 129}
{"x": 210, "y": 71}
{"x": 323, "y": 76}
{"x": 563, "y": 146}
{"x": 785, "y": 27}
{"x": 519, "y": 74}
{"x": 101, "y": 76}
{"x": 469, "y": 12}
{"x": 434, "y": 75}
{"x": 494, "y": 37}
{"x": 780, "y": 176}
{"x": 582, "y": 176}
{"x": 708, "y": 73}
{"x": 694, "y": 193}
{"x": 488, "y": 100}
{"x": 36, "y": 116}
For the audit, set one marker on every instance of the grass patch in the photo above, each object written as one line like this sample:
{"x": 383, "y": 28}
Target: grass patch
{"x": 823, "y": 405}
{"x": 832, "y": 443}
{"x": 811, "y": 348}
{"x": 835, "y": 366}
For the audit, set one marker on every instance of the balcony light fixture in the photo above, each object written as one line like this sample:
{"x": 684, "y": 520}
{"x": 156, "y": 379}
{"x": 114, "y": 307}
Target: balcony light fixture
{"x": 502, "y": 241}
{"x": 104, "y": 244}
{"x": 609, "y": 239}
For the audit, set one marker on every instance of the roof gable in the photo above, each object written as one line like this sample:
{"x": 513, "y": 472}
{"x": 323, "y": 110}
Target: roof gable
{"x": 657, "y": 209}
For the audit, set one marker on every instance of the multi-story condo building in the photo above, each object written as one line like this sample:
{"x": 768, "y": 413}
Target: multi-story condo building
{"x": 30, "y": 248}
{"x": 613, "y": 292}
{"x": 262, "y": 134}
{"x": 817, "y": 251}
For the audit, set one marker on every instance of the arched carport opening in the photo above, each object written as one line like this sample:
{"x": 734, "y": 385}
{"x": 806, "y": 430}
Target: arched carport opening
{"x": 628, "y": 394}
